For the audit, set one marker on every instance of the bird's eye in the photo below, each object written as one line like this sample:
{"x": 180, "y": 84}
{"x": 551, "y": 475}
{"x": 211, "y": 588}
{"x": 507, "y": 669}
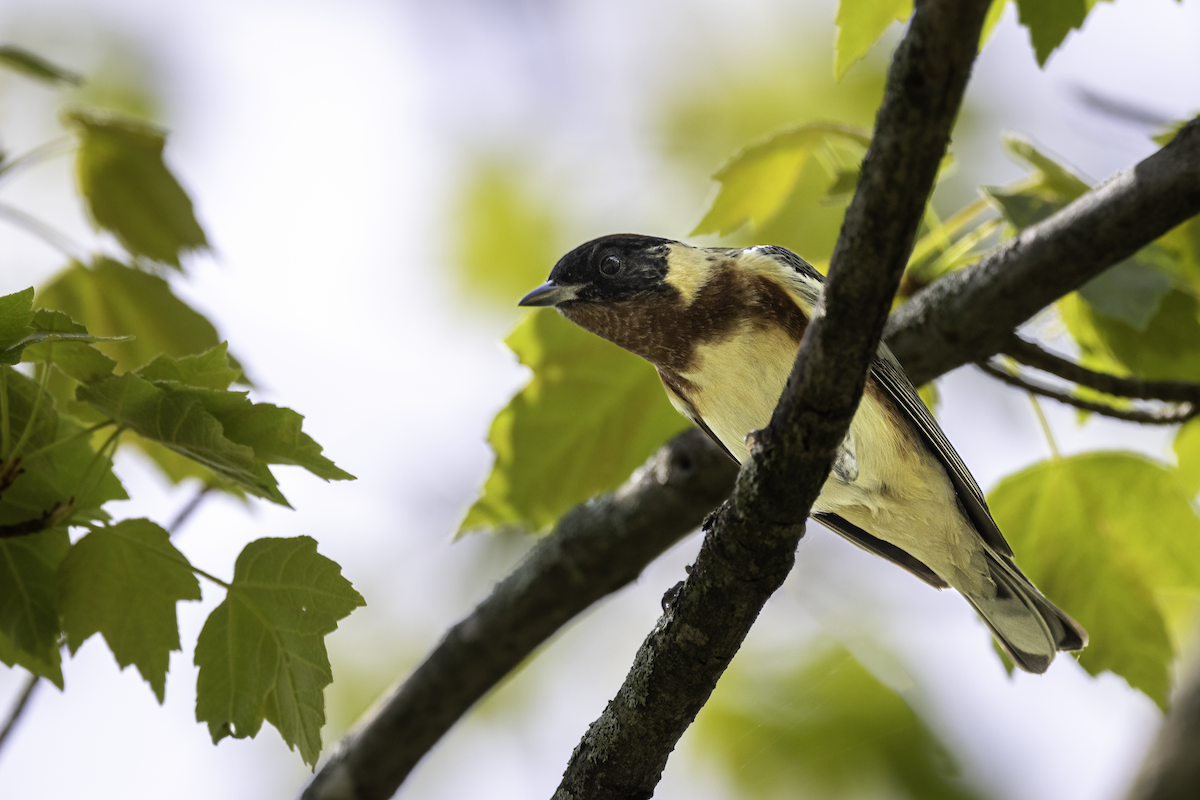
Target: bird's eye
{"x": 610, "y": 265}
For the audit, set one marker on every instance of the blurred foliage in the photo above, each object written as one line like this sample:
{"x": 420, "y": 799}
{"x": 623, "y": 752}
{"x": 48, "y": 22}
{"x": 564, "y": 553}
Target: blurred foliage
{"x": 821, "y": 726}
{"x": 860, "y": 24}
{"x": 1142, "y": 316}
{"x": 761, "y": 177}
{"x": 68, "y": 395}
{"x": 129, "y": 190}
{"x": 1187, "y": 451}
{"x": 591, "y": 414}
{"x": 510, "y": 232}
{"x": 706, "y": 120}
{"x": 33, "y": 65}
{"x": 117, "y": 299}
{"x": 1103, "y": 534}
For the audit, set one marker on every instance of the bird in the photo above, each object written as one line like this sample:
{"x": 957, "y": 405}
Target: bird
{"x": 722, "y": 326}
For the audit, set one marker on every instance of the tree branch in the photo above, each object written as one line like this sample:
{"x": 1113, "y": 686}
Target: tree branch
{"x": 955, "y": 320}
{"x": 1034, "y": 356}
{"x": 1159, "y": 416}
{"x": 31, "y": 683}
{"x": 594, "y": 550}
{"x": 751, "y": 544}
{"x": 1171, "y": 770}
{"x": 969, "y": 315}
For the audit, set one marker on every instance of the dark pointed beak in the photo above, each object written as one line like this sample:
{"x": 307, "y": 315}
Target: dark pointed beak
{"x": 549, "y": 294}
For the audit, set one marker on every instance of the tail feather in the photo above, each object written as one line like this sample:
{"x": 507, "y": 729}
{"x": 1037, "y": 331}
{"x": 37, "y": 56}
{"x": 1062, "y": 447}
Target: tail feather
{"x": 1029, "y": 627}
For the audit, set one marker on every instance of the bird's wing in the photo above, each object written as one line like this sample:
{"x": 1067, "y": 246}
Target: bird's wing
{"x": 880, "y": 548}
{"x": 890, "y": 375}
{"x": 685, "y": 407}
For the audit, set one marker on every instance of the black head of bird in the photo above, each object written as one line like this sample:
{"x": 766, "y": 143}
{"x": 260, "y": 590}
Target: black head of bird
{"x": 722, "y": 327}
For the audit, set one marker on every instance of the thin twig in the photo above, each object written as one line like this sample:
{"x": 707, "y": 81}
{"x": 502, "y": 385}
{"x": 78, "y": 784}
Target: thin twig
{"x": 189, "y": 509}
{"x": 1045, "y": 423}
{"x": 48, "y": 519}
{"x": 1163, "y": 416}
{"x": 43, "y": 152}
{"x": 1031, "y": 355}
{"x": 48, "y": 234}
{"x": 18, "y": 709}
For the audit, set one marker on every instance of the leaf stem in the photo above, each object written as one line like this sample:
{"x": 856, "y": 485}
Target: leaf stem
{"x": 37, "y": 401}
{"x": 41, "y": 451}
{"x": 111, "y": 441}
{"x": 212, "y": 578}
{"x": 1037, "y": 409}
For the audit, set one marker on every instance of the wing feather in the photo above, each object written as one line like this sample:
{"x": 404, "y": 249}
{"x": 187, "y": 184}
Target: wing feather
{"x": 881, "y": 548}
{"x": 888, "y": 372}
{"x": 890, "y": 375}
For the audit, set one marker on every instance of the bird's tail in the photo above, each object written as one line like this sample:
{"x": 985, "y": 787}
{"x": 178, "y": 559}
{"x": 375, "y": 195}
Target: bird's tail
{"x": 1029, "y": 627}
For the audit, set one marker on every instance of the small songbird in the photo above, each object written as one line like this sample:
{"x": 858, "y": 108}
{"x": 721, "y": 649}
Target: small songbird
{"x": 722, "y": 327}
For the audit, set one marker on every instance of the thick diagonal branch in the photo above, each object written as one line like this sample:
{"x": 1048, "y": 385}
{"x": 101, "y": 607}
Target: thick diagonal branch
{"x": 594, "y": 550}
{"x": 969, "y": 315}
{"x": 751, "y": 544}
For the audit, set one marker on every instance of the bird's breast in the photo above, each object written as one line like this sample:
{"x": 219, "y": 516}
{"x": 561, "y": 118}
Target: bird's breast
{"x": 735, "y": 384}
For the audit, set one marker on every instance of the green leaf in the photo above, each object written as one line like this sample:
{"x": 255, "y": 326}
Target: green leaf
{"x": 1167, "y": 349}
{"x": 1049, "y": 187}
{"x": 591, "y": 414}
{"x": 28, "y": 589}
{"x": 1130, "y": 291}
{"x": 207, "y": 370}
{"x": 112, "y": 299}
{"x": 14, "y": 657}
{"x": 759, "y": 179}
{"x": 825, "y": 727}
{"x": 1056, "y": 177}
{"x": 68, "y": 344}
{"x": 20, "y": 60}
{"x": 995, "y": 12}
{"x": 274, "y": 434}
{"x": 1101, "y": 534}
{"x": 130, "y": 191}
{"x": 60, "y": 472}
{"x": 1187, "y": 451}
{"x": 16, "y": 323}
{"x": 1049, "y": 22}
{"x": 860, "y": 23}
{"x": 178, "y": 468}
{"x": 183, "y": 422}
{"x": 949, "y": 245}
{"x": 262, "y": 652}
{"x": 123, "y": 581}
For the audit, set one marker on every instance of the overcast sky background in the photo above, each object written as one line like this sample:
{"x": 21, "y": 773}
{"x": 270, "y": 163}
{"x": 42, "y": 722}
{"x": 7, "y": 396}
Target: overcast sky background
{"x": 322, "y": 143}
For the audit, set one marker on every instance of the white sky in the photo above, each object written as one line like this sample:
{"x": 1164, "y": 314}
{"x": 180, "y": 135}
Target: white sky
{"x": 321, "y": 142}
